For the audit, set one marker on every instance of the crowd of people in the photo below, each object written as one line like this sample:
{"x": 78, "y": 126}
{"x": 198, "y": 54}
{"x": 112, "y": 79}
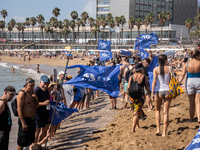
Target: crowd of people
{"x": 33, "y": 101}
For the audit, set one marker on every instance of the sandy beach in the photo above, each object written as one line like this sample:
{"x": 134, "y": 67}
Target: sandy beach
{"x": 102, "y": 128}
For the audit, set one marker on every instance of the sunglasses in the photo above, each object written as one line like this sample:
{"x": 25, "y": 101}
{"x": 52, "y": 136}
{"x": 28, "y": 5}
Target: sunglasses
{"x": 31, "y": 81}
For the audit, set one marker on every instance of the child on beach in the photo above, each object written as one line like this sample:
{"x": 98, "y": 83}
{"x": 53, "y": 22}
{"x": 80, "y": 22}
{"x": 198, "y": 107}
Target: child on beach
{"x": 38, "y": 69}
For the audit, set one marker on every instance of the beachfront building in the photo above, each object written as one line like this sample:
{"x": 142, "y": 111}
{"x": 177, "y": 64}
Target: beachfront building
{"x": 141, "y": 8}
{"x": 35, "y": 38}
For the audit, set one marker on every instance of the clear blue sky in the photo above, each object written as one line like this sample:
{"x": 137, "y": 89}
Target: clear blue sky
{"x": 21, "y": 9}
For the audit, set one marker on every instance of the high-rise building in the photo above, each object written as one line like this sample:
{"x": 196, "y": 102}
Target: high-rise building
{"x": 180, "y": 10}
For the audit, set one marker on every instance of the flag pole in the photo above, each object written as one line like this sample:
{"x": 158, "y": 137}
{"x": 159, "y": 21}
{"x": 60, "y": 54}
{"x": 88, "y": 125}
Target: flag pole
{"x": 52, "y": 118}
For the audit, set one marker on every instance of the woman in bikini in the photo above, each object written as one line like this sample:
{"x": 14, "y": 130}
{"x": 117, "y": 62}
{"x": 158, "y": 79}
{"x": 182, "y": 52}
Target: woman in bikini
{"x": 192, "y": 84}
{"x": 161, "y": 76}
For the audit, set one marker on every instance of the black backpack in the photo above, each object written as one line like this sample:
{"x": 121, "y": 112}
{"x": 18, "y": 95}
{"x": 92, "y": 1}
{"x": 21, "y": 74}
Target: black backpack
{"x": 14, "y": 104}
{"x": 135, "y": 90}
{"x": 128, "y": 74}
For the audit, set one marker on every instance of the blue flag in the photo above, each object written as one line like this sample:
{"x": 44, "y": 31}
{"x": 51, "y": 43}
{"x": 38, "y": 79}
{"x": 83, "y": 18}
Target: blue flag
{"x": 144, "y": 42}
{"x": 154, "y": 63}
{"x": 104, "y": 45}
{"x": 62, "y": 112}
{"x": 98, "y": 78}
{"x": 126, "y": 53}
{"x": 142, "y": 53}
{"x": 195, "y": 144}
{"x": 105, "y": 56}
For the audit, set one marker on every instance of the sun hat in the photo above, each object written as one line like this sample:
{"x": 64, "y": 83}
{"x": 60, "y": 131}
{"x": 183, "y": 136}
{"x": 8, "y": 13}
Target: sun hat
{"x": 44, "y": 79}
{"x": 138, "y": 67}
{"x": 61, "y": 72}
{"x": 131, "y": 61}
{"x": 51, "y": 83}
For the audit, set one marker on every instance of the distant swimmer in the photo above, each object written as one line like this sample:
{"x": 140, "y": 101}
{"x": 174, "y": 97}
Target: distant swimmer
{"x": 24, "y": 58}
{"x": 29, "y": 58}
{"x": 13, "y": 69}
{"x": 38, "y": 68}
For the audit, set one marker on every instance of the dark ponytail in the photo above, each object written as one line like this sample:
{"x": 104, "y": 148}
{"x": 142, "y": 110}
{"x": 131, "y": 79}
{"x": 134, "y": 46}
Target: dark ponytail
{"x": 195, "y": 54}
{"x": 161, "y": 60}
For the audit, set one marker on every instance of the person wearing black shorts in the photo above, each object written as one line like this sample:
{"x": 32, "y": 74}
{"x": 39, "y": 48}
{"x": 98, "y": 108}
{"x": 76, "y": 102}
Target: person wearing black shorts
{"x": 41, "y": 118}
{"x": 5, "y": 116}
{"x": 27, "y": 104}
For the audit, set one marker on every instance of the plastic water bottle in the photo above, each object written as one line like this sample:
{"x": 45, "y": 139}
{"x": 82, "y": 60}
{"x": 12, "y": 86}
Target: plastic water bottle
{"x": 47, "y": 107}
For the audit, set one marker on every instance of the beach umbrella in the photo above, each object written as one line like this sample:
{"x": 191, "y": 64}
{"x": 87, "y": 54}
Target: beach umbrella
{"x": 69, "y": 55}
{"x": 170, "y": 53}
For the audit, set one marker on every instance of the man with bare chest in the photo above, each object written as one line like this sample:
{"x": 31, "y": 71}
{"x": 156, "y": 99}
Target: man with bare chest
{"x": 27, "y": 104}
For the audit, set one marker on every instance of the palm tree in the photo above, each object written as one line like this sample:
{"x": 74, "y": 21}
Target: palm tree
{"x": 151, "y": 18}
{"x": 83, "y": 22}
{"x": 66, "y": 25}
{"x": 168, "y": 14}
{"x": 189, "y": 24}
{"x": 197, "y": 19}
{"x": 117, "y": 23}
{"x": 4, "y": 13}
{"x": 40, "y": 20}
{"x": 22, "y": 28}
{"x": 85, "y": 16}
{"x": 56, "y": 12}
{"x": 91, "y": 22}
{"x": 48, "y": 29}
{"x": 131, "y": 25}
{"x": 74, "y": 15}
{"x": 54, "y": 24}
{"x": 33, "y": 23}
{"x": 12, "y": 23}
{"x": 27, "y": 23}
{"x": 65, "y": 31}
{"x": 95, "y": 31}
{"x": 10, "y": 29}
{"x": 104, "y": 24}
{"x": 98, "y": 24}
{"x": 19, "y": 29}
{"x": 146, "y": 23}
{"x": 78, "y": 23}
{"x": 109, "y": 16}
{"x": 60, "y": 26}
{"x": 122, "y": 21}
{"x": 111, "y": 24}
{"x": 42, "y": 25}
{"x": 72, "y": 25}
{"x": 2, "y": 25}
{"x": 138, "y": 24}
{"x": 162, "y": 18}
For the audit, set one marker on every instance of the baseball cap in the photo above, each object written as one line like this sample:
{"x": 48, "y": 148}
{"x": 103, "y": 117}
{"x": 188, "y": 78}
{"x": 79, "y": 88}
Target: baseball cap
{"x": 44, "y": 79}
{"x": 138, "y": 67}
{"x": 61, "y": 72}
{"x": 131, "y": 61}
{"x": 10, "y": 89}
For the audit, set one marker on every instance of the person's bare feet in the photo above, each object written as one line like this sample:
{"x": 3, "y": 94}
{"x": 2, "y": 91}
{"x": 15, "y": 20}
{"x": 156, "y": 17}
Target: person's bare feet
{"x": 133, "y": 130}
{"x": 157, "y": 133}
{"x": 163, "y": 135}
{"x": 138, "y": 127}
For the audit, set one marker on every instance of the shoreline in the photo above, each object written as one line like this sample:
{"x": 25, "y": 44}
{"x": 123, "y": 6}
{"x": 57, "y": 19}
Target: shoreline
{"x": 43, "y": 60}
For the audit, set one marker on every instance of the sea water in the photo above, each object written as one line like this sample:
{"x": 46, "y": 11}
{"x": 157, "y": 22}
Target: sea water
{"x": 17, "y": 80}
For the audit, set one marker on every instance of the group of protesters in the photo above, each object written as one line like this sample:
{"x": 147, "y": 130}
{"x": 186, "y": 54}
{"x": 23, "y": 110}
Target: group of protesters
{"x": 33, "y": 102}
